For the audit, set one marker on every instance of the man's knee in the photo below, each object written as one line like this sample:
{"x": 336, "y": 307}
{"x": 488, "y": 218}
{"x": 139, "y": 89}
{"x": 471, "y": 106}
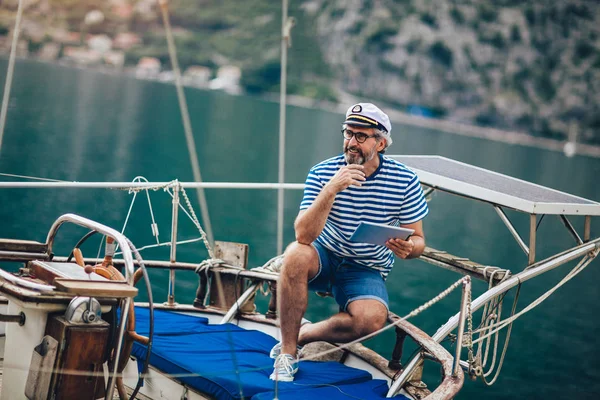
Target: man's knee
{"x": 300, "y": 260}
{"x": 368, "y": 324}
{"x": 369, "y": 319}
{"x": 299, "y": 249}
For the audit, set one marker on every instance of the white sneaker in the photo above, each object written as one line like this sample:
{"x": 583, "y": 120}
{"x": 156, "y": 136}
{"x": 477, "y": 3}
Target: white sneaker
{"x": 276, "y": 351}
{"x": 284, "y": 368}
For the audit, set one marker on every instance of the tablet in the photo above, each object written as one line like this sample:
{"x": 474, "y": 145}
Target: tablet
{"x": 368, "y": 232}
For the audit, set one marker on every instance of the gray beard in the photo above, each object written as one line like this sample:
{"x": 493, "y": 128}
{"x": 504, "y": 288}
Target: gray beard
{"x": 357, "y": 158}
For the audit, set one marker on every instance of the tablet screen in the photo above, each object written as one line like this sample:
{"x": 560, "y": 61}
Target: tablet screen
{"x": 367, "y": 232}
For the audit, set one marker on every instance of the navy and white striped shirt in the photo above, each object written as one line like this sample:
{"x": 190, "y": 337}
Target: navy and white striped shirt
{"x": 392, "y": 195}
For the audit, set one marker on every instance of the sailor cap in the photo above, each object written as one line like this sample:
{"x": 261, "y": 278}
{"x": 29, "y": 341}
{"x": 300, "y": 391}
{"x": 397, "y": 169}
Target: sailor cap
{"x": 367, "y": 114}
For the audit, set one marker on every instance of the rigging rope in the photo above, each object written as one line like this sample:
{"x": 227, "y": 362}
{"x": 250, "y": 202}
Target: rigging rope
{"x": 31, "y": 177}
{"x": 135, "y": 192}
{"x": 506, "y": 341}
{"x": 488, "y": 328}
{"x": 190, "y": 214}
{"x": 203, "y": 235}
{"x": 413, "y": 313}
{"x": 574, "y": 272}
{"x": 487, "y": 317}
{"x": 185, "y": 116}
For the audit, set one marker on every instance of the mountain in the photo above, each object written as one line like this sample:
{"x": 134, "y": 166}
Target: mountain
{"x": 530, "y": 66}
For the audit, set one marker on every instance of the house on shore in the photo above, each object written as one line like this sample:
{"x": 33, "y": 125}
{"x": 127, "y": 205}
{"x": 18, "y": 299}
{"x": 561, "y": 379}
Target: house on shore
{"x": 148, "y": 68}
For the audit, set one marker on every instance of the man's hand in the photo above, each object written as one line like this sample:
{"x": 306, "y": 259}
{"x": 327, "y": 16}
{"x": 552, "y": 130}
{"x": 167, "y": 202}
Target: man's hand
{"x": 310, "y": 222}
{"x": 401, "y": 248}
{"x": 346, "y": 176}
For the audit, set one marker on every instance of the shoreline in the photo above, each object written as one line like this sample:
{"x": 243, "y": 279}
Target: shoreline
{"x": 443, "y": 125}
{"x": 462, "y": 129}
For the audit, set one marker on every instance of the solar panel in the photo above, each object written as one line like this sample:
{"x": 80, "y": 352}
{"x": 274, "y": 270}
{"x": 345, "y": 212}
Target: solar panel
{"x": 482, "y": 184}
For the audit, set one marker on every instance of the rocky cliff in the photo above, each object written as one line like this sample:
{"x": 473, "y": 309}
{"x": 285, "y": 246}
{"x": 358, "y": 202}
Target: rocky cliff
{"x": 532, "y": 66}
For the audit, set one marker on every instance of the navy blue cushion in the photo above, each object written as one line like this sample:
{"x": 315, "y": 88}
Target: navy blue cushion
{"x": 165, "y": 321}
{"x": 226, "y": 361}
{"x": 371, "y": 390}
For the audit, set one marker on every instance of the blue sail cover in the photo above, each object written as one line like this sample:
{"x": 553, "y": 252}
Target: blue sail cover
{"x": 228, "y": 362}
{"x": 374, "y": 389}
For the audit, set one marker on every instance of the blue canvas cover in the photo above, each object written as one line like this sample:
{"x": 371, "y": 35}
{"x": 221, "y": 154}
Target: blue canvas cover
{"x": 371, "y": 390}
{"x": 185, "y": 324}
{"x": 226, "y": 361}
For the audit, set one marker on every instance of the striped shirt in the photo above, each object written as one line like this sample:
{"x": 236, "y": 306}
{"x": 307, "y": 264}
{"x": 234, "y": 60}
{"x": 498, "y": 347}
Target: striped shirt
{"x": 392, "y": 195}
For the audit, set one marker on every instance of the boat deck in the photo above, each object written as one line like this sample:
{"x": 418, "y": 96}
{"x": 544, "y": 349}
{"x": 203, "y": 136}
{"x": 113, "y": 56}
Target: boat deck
{"x": 227, "y": 362}
{"x": 176, "y": 356}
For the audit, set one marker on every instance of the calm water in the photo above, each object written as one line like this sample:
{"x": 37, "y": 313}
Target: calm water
{"x": 73, "y": 124}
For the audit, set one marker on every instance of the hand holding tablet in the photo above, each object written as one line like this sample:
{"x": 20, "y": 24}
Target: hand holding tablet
{"x": 368, "y": 232}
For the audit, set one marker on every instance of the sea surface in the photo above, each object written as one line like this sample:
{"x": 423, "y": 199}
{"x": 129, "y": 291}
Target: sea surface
{"x": 72, "y": 124}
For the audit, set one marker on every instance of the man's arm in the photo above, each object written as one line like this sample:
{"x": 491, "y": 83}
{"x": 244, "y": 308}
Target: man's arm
{"x": 310, "y": 222}
{"x": 413, "y": 247}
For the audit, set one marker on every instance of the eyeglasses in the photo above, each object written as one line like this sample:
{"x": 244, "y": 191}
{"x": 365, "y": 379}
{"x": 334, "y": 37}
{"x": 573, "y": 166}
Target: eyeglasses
{"x": 359, "y": 136}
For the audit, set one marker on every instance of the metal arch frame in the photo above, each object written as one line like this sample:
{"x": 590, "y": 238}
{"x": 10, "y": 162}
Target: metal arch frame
{"x": 129, "y": 269}
{"x": 88, "y": 223}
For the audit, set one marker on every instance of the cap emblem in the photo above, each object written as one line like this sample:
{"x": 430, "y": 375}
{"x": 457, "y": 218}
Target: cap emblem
{"x": 357, "y": 108}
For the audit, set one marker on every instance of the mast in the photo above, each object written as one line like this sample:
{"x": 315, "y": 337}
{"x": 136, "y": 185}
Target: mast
{"x": 286, "y": 27}
{"x": 9, "y": 72}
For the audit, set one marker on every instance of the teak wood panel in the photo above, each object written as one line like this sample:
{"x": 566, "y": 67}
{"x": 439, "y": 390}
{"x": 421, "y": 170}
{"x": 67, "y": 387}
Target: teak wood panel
{"x": 82, "y": 348}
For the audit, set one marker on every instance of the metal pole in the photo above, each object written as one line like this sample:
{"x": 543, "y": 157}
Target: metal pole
{"x": 9, "y": 72}
{"x": 282, "y": 102}
{"x": 587, "y": 226}
{"x": 174, "y": 215}
{"x": 532, "y": 235}
{"x": 428, "y": 191}
{"x": 18, "y": 318}
{"x": 512, "y": 229}
{"x": 570, "y": 228}
{"x": 149, "y": 185}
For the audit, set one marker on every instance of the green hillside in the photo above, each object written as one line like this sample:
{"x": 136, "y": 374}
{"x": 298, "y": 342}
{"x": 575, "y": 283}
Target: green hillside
{"x": 528, "y": 66}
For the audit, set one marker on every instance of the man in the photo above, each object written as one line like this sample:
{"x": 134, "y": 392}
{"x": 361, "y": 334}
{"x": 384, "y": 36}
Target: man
{"x": 359, "y": 185}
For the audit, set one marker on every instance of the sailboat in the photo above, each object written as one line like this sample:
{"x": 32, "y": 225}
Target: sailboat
{"x": 72, "y": 326}
{"x": 74, "y": 330}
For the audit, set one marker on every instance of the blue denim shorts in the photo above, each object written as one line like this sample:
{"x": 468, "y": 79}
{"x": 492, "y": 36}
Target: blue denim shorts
{"x": 347, "y": 280}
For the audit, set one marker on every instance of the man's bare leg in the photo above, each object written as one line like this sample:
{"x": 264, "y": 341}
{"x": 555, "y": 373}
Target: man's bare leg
{"x": 363, "y": 317}
{"x": 300, "y": 264}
